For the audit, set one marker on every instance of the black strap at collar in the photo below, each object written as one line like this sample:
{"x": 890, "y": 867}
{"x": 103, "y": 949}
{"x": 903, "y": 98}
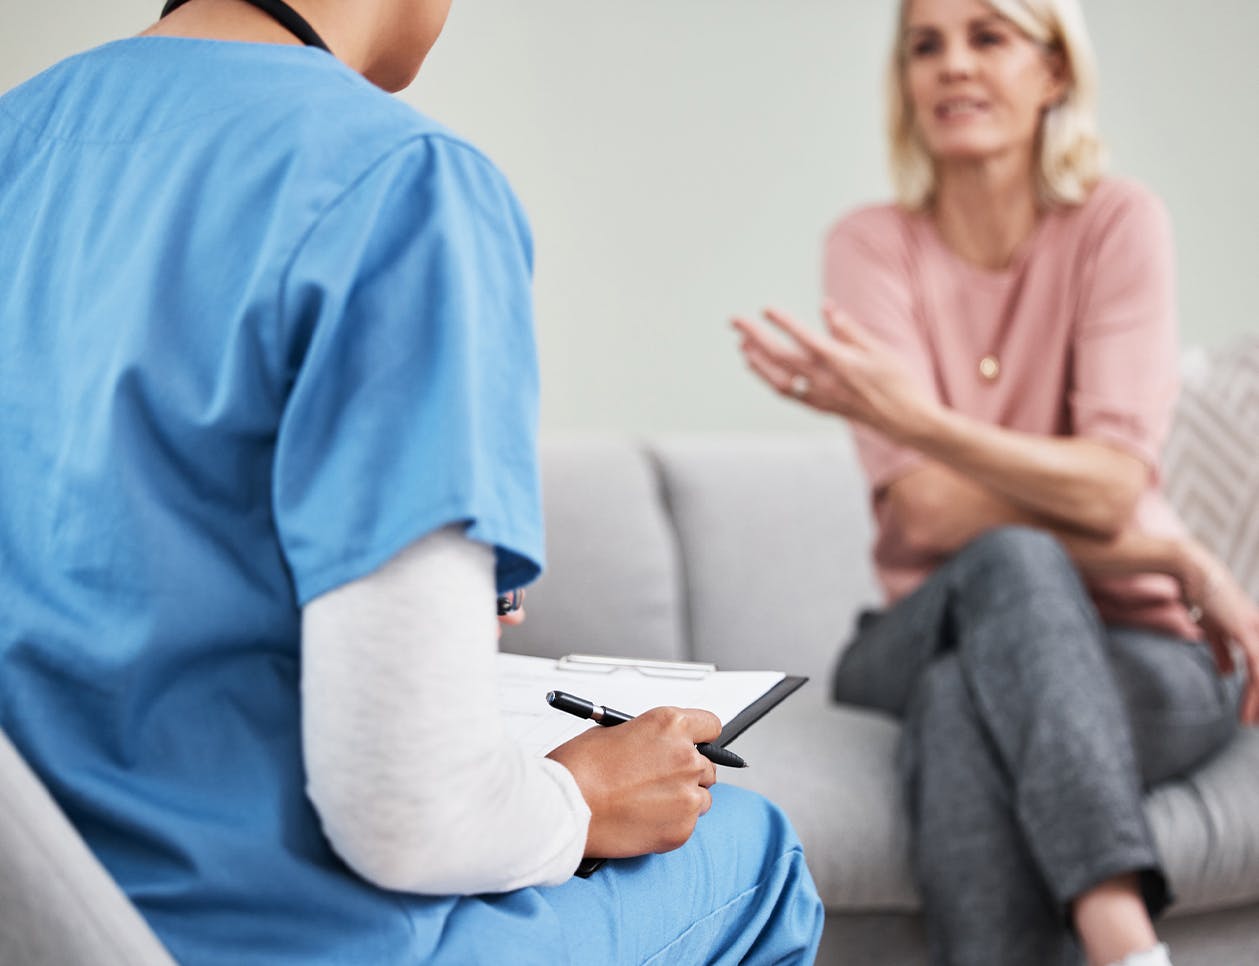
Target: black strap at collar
{"x": 281, "y": 13}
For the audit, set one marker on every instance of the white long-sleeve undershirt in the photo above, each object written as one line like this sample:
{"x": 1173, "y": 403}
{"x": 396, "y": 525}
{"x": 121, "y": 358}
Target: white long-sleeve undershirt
{"x": 414, "y": 778}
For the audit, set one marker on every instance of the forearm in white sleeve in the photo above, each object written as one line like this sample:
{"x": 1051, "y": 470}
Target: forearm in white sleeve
{"x": 408, "y": 764}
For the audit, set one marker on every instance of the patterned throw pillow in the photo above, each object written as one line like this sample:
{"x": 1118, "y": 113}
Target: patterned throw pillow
{"x": 1211, "y": 461}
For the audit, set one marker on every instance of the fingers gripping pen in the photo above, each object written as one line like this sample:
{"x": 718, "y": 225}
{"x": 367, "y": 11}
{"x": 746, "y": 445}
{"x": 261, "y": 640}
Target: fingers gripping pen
{"x": 607, "y": 717}
{"x": 511, "y": 601}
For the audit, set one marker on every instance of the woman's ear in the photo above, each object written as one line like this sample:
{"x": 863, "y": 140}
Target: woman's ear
{"x": 1059, "y": 85}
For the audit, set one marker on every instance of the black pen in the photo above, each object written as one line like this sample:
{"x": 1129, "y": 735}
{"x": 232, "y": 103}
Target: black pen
{"x": 563, "y": 701}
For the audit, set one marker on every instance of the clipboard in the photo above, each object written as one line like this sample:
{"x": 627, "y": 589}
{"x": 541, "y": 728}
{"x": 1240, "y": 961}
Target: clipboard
{"x": 649, "y": 666}
{"x": 590, "y": 673}
{"x": 755, "y": 711}
{"x": 631, "y": 685}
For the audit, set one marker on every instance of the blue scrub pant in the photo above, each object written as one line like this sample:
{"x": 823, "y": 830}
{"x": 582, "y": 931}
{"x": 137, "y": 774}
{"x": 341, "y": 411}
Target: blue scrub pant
{"x": 737, "y": 892}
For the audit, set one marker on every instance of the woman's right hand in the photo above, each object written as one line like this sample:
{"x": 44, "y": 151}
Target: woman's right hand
{"x": 1227, "y": 615}
{"x": 844, "y": 371}
{"x": 644, "y": 781}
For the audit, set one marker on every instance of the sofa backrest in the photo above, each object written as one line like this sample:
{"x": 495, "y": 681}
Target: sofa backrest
{"x": 613, "y": 578}
{"x": 774, "y": 534}
{"x": 746, "y": 551}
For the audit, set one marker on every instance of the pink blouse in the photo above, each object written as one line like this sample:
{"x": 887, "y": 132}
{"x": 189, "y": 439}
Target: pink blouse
{"x": 1081, "y": 326}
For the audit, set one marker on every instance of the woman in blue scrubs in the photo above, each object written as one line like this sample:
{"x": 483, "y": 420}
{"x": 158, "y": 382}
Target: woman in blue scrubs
{"x": 267, "y": 407}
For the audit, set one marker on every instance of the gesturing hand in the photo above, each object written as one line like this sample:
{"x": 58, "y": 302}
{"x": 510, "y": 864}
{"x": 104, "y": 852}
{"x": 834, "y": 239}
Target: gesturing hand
{"x": 645, "y": 783}
{"x": 843, "y": 371}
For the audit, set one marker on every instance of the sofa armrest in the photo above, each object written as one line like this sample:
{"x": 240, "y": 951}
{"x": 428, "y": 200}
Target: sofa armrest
{"x": 58, "y": 905}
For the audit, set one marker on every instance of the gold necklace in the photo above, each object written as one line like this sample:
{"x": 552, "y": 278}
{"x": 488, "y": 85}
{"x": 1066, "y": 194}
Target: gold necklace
{"x": 990, "y": 363}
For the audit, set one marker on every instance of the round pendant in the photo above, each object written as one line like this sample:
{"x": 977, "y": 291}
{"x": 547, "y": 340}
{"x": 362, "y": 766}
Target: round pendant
{"x": 989, "y": 367}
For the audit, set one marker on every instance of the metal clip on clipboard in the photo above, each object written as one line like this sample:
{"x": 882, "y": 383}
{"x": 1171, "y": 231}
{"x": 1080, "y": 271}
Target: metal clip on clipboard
{"x": 597, "y": 664}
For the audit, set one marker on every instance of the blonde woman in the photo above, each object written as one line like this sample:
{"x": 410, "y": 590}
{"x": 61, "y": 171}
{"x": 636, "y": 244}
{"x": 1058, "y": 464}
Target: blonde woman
{"x": 1003, "y": 342}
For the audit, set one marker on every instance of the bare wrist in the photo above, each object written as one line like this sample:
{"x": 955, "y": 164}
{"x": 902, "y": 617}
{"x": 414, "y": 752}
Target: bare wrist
{"x": 924, "y": 428}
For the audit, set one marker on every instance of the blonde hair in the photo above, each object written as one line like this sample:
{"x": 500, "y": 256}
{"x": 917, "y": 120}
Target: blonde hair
{"x": 1070, "y": 152}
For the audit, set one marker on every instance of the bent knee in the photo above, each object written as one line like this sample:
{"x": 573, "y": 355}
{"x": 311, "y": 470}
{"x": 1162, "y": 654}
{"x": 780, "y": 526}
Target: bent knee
{"x": 1018, "y": 555}
{"x": 1017, "y": 545}
{"x": 739, "y": 810}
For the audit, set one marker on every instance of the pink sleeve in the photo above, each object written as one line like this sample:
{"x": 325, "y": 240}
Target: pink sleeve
{"x": 1124, "y": 350}
{"x": 866, "y": 273}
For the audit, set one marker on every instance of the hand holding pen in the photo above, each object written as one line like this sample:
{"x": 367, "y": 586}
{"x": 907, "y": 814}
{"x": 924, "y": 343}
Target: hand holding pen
{"x": 645, "y": 781}
{"x": 510, "y": 607}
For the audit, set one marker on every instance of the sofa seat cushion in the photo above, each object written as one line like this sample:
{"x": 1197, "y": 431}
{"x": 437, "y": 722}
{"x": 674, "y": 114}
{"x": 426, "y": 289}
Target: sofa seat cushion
{"x": 833, "y": 770}
{"x": 1207, "y": 829}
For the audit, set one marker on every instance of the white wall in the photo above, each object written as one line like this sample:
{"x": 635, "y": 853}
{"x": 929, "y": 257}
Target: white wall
{"x": 681, "y": 159}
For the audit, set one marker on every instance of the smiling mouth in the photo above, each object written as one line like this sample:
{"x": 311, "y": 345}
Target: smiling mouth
{"x": 958, "y": 108}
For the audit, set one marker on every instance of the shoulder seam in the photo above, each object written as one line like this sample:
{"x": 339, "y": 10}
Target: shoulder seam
{"x": 859, "y": 237}
{"x": 352, "y": 185}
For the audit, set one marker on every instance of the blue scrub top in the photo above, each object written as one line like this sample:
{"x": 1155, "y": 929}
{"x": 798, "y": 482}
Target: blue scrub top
{"x": 261, "y": 326}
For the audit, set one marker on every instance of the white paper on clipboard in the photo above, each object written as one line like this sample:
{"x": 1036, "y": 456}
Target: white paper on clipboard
{"x": 624, "y": 685}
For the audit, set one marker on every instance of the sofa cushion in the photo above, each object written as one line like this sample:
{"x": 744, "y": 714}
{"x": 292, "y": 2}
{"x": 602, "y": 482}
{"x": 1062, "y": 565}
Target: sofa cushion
{"x": 1207, "y": 829}
{"x": 775, "y": 541}
{"x": 833, "y": 770}
{"x": 612, "y": 583}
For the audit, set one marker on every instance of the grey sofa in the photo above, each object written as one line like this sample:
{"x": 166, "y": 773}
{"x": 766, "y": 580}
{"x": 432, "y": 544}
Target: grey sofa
{"x": 750, "y": 552}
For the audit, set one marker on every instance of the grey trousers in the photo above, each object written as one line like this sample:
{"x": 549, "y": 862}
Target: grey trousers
{"x": 1030, "y": 733}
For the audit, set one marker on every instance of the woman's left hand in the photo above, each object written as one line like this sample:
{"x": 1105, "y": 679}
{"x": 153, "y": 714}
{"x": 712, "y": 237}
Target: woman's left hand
{"x": 843, "y": 371}
{"x": 1227, "y": 616}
